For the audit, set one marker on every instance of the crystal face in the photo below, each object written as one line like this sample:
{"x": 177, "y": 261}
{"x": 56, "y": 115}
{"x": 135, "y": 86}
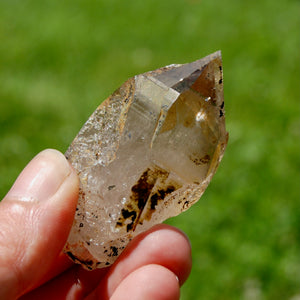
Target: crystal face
{"x": 146, "y": 154}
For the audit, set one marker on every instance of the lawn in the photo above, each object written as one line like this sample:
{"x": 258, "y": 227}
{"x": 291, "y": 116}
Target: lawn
{"x": 60, "y": 59}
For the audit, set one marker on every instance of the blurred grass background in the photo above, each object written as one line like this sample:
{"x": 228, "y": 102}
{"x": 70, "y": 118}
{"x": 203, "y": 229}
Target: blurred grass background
{"x": 60, "y": 59}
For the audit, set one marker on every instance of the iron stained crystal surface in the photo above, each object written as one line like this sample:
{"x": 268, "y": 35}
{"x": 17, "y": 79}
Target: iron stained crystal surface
{"x": 147, "y": 153}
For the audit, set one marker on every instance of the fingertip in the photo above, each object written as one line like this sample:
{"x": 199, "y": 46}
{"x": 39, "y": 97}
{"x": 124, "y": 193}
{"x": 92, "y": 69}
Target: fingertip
{"x": 147, "y": 283}
{"x": 161, "y": 245}
{"x": 41, "y": 178}
{"x": 180, "y": 241}
{"x": 36, "y": 216}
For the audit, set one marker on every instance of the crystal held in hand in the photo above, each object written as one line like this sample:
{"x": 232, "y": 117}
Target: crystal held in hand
{"x": 147, "y": 153}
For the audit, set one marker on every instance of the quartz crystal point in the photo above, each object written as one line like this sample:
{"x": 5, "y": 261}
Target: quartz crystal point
{"x": 147, "y": 153}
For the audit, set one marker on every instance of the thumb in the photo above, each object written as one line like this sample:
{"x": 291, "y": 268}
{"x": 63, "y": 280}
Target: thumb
{"x": 35, "y": 219}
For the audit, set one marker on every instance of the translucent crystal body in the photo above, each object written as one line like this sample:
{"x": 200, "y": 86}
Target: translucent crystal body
{"x": 147, "y": 153}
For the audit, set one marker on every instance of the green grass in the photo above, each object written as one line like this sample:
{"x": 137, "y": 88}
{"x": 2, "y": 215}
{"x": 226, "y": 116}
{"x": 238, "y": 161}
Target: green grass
{"x": 60, "y": 59}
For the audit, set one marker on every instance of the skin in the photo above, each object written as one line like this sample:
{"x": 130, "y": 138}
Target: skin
{"x": 35, "y": 219}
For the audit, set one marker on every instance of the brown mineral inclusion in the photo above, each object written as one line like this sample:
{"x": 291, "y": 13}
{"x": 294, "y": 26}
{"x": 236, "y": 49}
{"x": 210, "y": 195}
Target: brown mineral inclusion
{"x": 146, "y": 154}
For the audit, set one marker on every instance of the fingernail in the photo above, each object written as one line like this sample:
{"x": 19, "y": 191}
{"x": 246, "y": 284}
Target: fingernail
{"x": 41, "y": 178}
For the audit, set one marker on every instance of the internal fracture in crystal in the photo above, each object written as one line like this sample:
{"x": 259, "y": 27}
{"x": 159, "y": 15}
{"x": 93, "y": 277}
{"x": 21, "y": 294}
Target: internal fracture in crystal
{"x": 147, "y": 153}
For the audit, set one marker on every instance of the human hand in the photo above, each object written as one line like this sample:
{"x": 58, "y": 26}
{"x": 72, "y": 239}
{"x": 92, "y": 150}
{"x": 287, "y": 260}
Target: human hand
{"x": 35, "y": 219}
